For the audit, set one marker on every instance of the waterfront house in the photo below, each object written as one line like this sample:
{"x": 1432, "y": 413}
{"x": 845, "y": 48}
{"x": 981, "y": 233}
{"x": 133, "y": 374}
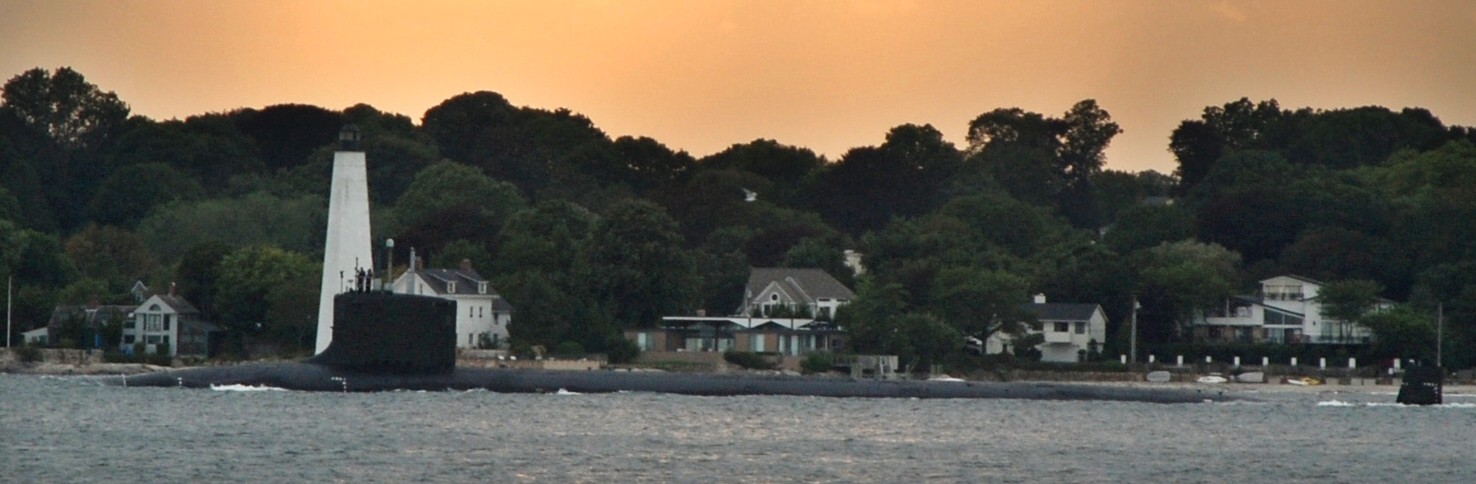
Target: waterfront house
{"x": 168, "y": 324}
{"x": 788, "y": 311}
{"x": 1070, "y": 330}
{"x": 482, "y": 315}
{"x": 1286, "y": 309}
{"x": 91, "y": 321}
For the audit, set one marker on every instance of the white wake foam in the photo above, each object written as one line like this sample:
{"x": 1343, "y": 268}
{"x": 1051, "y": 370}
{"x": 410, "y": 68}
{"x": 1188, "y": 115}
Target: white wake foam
{"x": 245, "y": 388}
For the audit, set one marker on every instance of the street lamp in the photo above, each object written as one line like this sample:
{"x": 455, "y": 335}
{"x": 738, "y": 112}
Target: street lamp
{"x": 389, "y": 267}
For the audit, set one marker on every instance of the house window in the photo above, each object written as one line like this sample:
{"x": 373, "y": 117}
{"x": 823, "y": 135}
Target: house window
{"x": 451, "y": 287}
{"x": 471, "y": 311}
{"x": 773, "y": 297}
{"x": 1081, "y": 327}
{"x": 128, "y": 339}
{"x": 481, "y": 288}
{"x": 166, "y": 321}
{"x": 153, "y": 322}
{"x": 1063, "y": 327}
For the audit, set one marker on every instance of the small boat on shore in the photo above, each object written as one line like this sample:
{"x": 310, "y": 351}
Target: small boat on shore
{"x": 1212, "y": 378}
{"x": 1302, "y": 381}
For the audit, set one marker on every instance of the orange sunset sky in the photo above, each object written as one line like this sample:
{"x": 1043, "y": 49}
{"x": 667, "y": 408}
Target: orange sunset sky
{"x": 701, "y": 75}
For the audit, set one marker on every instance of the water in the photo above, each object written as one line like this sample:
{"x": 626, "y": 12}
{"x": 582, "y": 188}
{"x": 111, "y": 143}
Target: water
{"x": 74, "y": 430}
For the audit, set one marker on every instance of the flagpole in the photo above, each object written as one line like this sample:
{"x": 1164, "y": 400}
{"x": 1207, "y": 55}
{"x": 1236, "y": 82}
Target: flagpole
{"x": 8, "y": 281}
{"x": 1439, "y": 333}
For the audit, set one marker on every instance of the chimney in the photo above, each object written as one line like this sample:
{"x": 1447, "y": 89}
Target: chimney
{"x": 412, "y": 260}
{"x": 1040, "y": 298}
{"x": 171, "y": 288}
{"x": 466, "y": 265}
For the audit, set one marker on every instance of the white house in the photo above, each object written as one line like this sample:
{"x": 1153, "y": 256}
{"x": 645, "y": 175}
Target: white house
{"x": 1286, "y": 309}
{"x": 167, "y": 321}
{"x": 1069, "y": 329}
{"x": 785, "y": 310}
{"x": 482, "y": 315}
{"x": 799, "y": 292}
{"x": 36, "y": 337}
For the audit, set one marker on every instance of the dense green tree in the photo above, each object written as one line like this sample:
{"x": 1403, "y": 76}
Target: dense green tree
{"x": 112, "y": 255}
{"x": 292, "y": 310}
{"x": 1147, "y": 226}
{"x": 450, "y": 201}
{"x": 209, "y": 148}
{"x": 294, "y": 224}
{"x": 1402, "y": 332}
{"x": 782, "y": 165}
{"x": 248, "y": 276}
{"x": 62, "y": 106}
{"x": 639, "y": 269}
{"x": 1347, "y": 301}
{"x": 909, "y": 170}
{"x": 981, "y": 303}
{"x": 713, "y": 199}
{"x": 61, "y": 125}
{"x": 1177, "y": 280}
{"x": 286, "y": 134}
{"x": 197, "y": 274}
{"x": 1333, "y": 253}
{"x": 545, "y": 238}
{"x": 817, "y": 254}
{"x": 457, "y": 251}
{"x": 129, "y": 193}
{"x": 646, "y": 165}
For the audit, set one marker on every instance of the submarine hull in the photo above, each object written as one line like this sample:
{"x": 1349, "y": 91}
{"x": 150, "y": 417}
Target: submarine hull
{"x": 313, "y": 377}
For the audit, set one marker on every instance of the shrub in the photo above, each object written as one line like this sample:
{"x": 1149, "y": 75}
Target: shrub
{"x": 28, "y": 354}
{"x": 621, "y": 350}
{"x": 752, "y": 361}
{"x": 569, "y": 349}
{"x": 817, "y": 362}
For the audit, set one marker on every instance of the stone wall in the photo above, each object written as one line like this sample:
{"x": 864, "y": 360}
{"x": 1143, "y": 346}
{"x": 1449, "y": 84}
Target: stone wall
{"x": 55, "y": 356}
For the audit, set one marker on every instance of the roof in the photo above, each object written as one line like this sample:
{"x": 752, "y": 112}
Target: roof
{"x": 813, "y": 283}
{"x": 177, "y": 303}
{"x": 103, "y": 313}
{"x": 466, "y": 281}
{"x": 1293, "y": 276}
{"x": 1061, "y": 311}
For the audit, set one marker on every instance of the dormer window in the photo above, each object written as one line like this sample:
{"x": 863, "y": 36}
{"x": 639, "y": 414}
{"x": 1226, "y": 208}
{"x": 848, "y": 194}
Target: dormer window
{"x": 451, "y": 287}
{"x": 482, "y": 287}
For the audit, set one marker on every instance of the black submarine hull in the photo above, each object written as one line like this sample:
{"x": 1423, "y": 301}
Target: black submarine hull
{"x": 313, "y": 377}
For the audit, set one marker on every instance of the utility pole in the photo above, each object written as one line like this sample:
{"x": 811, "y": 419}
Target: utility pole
{"x": 1439, "y": 333}
{"x": 8, "y": 281}
{"x": 1133, "y": 342}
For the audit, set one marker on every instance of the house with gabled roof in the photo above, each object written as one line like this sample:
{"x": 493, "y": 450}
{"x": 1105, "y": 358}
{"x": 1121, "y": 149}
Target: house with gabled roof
{"x": 482, "y": 315}
{"x": 93, "y": 317}
{"x": 168, "y": 324}
{"x": 788, "y": 311}
{"x": 1070, "y": 330}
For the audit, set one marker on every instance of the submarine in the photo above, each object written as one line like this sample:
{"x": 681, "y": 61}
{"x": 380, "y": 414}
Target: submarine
{"x": 387, "y": 342}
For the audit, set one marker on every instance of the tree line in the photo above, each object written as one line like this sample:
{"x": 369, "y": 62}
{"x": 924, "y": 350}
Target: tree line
{"x": 585, "y": 234}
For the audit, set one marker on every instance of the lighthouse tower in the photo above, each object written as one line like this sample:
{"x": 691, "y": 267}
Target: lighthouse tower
{"x": 348, "y": 248}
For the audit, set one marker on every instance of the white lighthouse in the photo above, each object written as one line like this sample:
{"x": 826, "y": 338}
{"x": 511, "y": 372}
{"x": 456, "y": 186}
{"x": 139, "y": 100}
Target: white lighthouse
{"x": 347, "y": 249}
